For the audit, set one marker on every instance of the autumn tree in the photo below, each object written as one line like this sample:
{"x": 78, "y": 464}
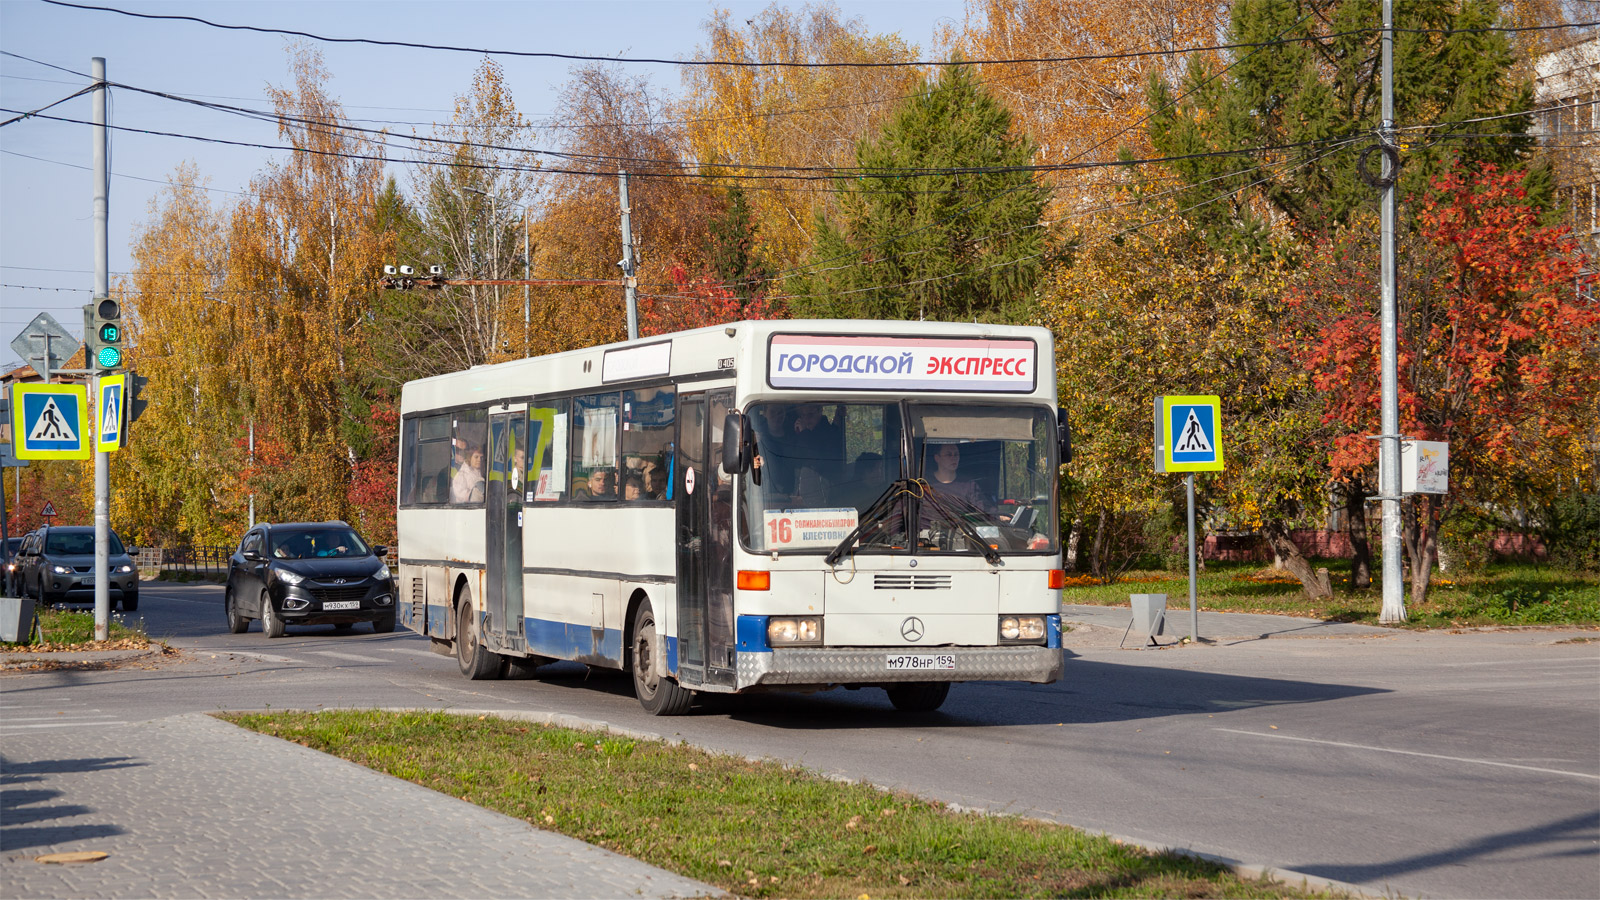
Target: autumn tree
{"x": 609, "y": 121}
{"x": 1495, "y": 347}
{"x": 472, "y": 181}
{"x": 1089, "y": 103}
{"x": 1149, "y": 308}
{"x": 177, "y": 479}
{"x": 747, "y": 119}
{"x": 940, "y": 219}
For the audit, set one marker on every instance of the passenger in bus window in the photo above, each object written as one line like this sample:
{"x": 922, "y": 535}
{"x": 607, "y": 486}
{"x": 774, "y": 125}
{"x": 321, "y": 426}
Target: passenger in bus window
{"x": 655, "y": 480}
{"x": 633, "y": 488}
{"x": 468, "y": 484}
{"x": 601, "y": 485}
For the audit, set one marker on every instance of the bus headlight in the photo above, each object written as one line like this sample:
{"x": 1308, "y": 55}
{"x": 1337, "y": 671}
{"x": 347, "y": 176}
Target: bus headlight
{"x": 788, "y": 631}
{"x": 1021, "y": 629}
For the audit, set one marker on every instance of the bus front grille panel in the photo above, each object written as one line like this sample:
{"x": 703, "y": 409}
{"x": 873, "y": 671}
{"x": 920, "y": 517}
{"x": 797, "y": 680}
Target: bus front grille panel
{"x": 908, "y": 582}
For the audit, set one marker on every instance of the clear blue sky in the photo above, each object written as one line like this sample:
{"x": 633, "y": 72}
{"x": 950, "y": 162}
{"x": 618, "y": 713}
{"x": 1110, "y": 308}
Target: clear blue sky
{"x": 46, "y": 208}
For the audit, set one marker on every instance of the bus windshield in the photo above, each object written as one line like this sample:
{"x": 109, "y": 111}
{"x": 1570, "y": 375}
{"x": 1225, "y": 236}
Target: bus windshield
{"x": 964, "y": 474}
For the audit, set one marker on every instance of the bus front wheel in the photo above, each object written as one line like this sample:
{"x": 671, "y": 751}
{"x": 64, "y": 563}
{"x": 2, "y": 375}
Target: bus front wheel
{"x": 919, "y": 697}
{"x": 477, "y": 662}
{"x": 659, "y": 695}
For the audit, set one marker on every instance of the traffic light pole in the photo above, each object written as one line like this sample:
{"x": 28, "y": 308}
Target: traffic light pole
{"x": 102, "y": 288}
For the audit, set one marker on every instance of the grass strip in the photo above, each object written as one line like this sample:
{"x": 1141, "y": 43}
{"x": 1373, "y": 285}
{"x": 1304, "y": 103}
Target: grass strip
{"x": 73, "y": 629}
{"x": 758, "y": 829}
{"x": 1505, "y": 594}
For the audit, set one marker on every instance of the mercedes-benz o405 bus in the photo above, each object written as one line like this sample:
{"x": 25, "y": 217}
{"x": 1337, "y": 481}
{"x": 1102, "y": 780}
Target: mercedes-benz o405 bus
{"x": 791, "y": 505}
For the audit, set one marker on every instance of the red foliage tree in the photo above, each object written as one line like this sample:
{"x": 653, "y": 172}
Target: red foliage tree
{"x": 1493, "y": 339}
{"x": 699, "y": 302}
{"x": 374, "y": 479}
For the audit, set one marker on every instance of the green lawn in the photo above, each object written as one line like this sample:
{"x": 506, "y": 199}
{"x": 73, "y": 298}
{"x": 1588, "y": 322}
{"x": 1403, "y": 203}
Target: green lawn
{"x": 65, "y": 627}
{"x": 758, "y": 829}
{"x": 1503, "y": 594}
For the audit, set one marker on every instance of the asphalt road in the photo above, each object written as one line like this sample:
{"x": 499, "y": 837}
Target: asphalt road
{"x": 1431, "y": 765}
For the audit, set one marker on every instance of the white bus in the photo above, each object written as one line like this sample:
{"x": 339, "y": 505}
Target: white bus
{"x": 791, "y": 505}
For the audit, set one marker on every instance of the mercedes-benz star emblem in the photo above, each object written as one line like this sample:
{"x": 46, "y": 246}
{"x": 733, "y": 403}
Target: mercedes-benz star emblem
{"x": 911, "y": 629}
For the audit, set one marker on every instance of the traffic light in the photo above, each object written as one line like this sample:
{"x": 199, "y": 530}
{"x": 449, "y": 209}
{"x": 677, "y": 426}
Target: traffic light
{"x": 133, "y": 400}
{"x": 103, "y": 333}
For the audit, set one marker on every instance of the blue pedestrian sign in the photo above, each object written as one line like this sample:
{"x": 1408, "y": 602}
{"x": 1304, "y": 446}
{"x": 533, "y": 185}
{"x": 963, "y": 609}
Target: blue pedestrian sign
{"x": 1188, "y": 434}
{"x": 108, "y": 414}
{"x": 50, "y": 421}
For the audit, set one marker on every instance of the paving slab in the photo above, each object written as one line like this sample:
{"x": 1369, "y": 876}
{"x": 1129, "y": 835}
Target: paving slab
{"x": 191, "y": 806}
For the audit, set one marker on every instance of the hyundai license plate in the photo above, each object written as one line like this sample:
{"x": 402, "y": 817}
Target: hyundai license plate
{"x": 917, "y": 661}
{"x": 341, "y": 604}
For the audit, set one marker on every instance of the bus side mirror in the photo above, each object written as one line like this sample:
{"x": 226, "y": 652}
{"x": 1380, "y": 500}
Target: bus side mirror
{"x": 1064, "y": 436}
{"x": 735, "y": 458}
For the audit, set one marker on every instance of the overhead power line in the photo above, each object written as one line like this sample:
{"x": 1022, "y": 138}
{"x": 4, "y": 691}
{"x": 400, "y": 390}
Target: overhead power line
{"x": 531, "y": 54}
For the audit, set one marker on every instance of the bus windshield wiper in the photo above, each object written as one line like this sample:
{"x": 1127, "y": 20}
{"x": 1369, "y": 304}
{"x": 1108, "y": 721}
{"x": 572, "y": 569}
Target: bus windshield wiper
{"x": 949, "y": 508}
{"x": 889, "y": 502}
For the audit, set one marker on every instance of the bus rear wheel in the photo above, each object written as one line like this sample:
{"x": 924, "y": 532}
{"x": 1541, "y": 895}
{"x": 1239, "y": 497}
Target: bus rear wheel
{"x": 477, "y": 662}
{"x": 659, "y": 695}
{"x": 919, "y": 697}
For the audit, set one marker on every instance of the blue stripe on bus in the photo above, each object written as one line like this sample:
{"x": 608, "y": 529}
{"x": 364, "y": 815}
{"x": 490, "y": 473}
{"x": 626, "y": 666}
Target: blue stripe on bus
{"x": 580, "y": 643}
{"x": 1052, "y": 631}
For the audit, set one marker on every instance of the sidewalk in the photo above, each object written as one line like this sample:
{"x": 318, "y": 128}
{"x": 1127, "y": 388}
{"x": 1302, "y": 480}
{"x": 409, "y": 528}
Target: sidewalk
{"x": 190, "y": 806}
{"x": 1215, "y": 626}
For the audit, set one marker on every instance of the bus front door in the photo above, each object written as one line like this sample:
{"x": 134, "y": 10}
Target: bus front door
{"x": 704, "y": 498}
{"x": 503, "y": 496}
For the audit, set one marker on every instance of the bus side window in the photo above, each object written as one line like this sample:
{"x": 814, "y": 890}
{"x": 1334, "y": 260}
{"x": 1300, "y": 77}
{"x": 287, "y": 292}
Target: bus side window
{"x": 594, "y": 448}
{"x": 547, "y": 439}
{"x": 427, "y": 479}
{"x": 647, "y": 420}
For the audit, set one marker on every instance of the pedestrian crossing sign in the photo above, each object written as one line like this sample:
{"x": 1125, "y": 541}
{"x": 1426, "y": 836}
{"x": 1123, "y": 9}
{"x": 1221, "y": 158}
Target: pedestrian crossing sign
{"x": 50, "y": 421}
{"x": 1189, "y": 434}
{"x": 108, "y": 413}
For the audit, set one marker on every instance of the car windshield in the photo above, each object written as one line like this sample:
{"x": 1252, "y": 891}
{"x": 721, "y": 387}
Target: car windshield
{"x": 79, "y": 543}
{"x": 318, "y": 543}
{"x": 978, "y": 478}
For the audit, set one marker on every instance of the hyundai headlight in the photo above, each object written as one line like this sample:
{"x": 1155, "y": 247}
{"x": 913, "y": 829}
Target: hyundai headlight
{"x": 288, "y": 576}
{"x": 382, "y": 574}
{"x": 789, "y": 631}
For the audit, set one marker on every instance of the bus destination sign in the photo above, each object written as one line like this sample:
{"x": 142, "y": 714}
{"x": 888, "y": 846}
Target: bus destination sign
{"x": 881, "y": 363}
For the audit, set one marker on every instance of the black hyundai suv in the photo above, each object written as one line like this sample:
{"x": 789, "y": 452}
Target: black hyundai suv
{"x": 308, "y": 573}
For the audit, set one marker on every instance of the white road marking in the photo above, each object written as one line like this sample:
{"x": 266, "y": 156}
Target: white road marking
{"x": 264, "y": 657}
{"x": 1464, "y": 759}
{"x": 10, "y": 727}
{"x": 13, "y": 721}
{"x": 414, "y": 651}
{"x": 349, "y": 656}
{"x": 1581, "y": 660}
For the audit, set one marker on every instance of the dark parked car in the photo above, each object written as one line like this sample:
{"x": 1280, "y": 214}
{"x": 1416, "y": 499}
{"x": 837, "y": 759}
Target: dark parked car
{"x": 308, "y": 573}
{"x": 56, "y": 565}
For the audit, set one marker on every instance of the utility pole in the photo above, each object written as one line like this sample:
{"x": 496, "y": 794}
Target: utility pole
{"x": 527, "y": 272}
{"x": 630, "y": 284}
{"x": 102, "y": 288}
{"x": 1394, "y": 604}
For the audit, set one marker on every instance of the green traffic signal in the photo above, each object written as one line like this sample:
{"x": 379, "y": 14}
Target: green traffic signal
{"x": 109, "y": 357}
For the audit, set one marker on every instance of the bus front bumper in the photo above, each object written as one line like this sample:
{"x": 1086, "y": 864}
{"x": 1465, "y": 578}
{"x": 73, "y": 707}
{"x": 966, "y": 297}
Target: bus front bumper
{"x": 830, "y": 666}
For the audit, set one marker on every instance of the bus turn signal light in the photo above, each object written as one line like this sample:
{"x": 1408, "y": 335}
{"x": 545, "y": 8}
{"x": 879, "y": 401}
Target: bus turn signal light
{"x": 754, "y": 581}
{"x": 1058, "y": 579}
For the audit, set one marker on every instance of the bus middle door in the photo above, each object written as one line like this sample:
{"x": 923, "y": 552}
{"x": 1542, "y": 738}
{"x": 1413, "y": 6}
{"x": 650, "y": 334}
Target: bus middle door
{"x": 704, "y": 499}
{"x": 503, "y": 496}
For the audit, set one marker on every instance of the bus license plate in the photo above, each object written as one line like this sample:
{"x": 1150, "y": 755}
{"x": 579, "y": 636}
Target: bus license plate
{"x": 342, "y": 604}
{"x": 918, "y": 661}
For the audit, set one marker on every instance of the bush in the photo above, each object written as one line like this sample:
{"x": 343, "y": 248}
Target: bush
{"x": 1465, "y": 544}
{"x": 1537, "y": 606}
{"x": 1573, "y": 535}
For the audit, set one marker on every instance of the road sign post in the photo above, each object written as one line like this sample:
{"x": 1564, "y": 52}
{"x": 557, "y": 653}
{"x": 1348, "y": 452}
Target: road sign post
{"x": 1188, "y": 439}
